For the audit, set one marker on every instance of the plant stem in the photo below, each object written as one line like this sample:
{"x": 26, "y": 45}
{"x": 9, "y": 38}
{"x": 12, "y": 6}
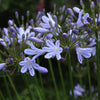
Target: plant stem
{"x": 27, "y": 85}
{"x": 98, "y": 65}
{"x": 53, "y": 78}
{"x": 62, "y": 80}
{"x": 41, "y": 82}
{"x": 1, "y": 96}
{"x": 6, "y": 84}
{"x": 89, "y": 78}
{"x": 70, "y": 75}
{"x": 11, "y": 82}
{"x": 38, "y": 88}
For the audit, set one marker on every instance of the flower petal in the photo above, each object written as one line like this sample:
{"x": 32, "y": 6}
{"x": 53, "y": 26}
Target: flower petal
{"x": 80, "y": 58}
{"x": 49, "y": 55}
{"x": 42, "y": 70}
{"x": 30, "y": 52}
{"x": 58, "y": 56}
{"x": 31, "y": 71}
{"x": 50, "y": 43}
{"x": 22, "y": 63}
{"x": 45, "y": 19}
{"x": 57, "y": 43}
{"x": 23, "y": 69}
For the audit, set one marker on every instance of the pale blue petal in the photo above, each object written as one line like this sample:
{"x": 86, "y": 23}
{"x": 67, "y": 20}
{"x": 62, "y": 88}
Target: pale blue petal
{"x": 45, "y": 19}
{"x": 46, "y": 49}
{"x": 77, "y": 93}
{"x": 22, "y": 63}
{"x": 23, "y": 69}
{"x": 29, "y": 52}
{"x": 21, "y": 30}
{"x": 50, "y": 43}
{"x": 57, "y": 43}
{"x": 80, "y": 58}
{"x": 85, "y": 18}
{"x": 86, "y": 54}
{"x": 36, "y": 39}
{"x": 60, "y": 50}
{"x": 45, "y": 25}
{"x": 49, "y": 55}
{"x": 41, "y": 30}
{"x": 31, "y": 45}
{"x": 27, "y": 31}
{"x": 58, "y": 56}
{"x": 2, "y": 65}
{"x": 52, "y": 21}
{"x": 42, "y": 70}
{"x": 27, "y": 58}
{"x": 31, "y": 71}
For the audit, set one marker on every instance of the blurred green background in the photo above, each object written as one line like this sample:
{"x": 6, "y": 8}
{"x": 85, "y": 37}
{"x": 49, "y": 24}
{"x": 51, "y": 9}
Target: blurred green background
{"x": 8, "y": 8}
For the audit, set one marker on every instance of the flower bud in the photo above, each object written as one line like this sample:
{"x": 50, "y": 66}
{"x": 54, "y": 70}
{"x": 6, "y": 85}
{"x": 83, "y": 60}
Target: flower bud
{"x": 65, "y": 35}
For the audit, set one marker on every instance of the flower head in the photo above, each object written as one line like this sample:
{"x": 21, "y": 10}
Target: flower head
{"x": 29, "y": 65}
{"x": 53, "y": 49}
{"x": 78, "y": 91}
{"x": 83, "y": 52}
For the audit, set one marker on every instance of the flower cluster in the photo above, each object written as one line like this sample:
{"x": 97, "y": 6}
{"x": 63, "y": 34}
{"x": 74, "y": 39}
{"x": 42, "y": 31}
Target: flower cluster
{"x": 52, "y": 35}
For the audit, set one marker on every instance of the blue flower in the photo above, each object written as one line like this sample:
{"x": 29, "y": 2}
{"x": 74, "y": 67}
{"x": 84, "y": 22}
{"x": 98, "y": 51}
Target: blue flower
{"x": 53, "y": 49}
{"x": 33, "y": 51}
{"x": 50, "y": 24}
{"x": 83, "y": 52}
{"x": 29, "y": 65}
{"x": 82, "y": 19}
{"x": 78, "y": 91}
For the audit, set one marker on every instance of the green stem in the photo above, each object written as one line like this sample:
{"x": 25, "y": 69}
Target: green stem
{"x": 11, "y": 82}
{"x": 62, "y": 80}
{"x": 98, "y": 65}
{"x": 1, "y": 96}
{"x": 38, "y": 92}
{"x": 27, "y": 84}
{"x": 70, "y": 75}
{"x": 41, "y": 82}
{"x": 54, "y": 81}
{"x": 38, "y": 88}
{"x": 89, "y": 78}
{"x": 6, "y": 84}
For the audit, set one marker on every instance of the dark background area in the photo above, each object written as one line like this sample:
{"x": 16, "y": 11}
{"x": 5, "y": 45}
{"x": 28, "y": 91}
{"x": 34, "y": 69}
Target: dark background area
{"x": 8, "y": 8}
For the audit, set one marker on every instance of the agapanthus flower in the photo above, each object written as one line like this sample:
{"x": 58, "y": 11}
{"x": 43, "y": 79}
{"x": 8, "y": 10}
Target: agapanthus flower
{"x": 33, "y": 51}
{"x": 78, "y": 91}
{"x": 53, "y": 49}
{"x": 6, "y": 39}
{"x": 29, "y": 65}
{"x": 82, "y": 19}
{"x": 83, "y": 52}
{"x": 22, "y": 34}
{"x": 49, "y": 23}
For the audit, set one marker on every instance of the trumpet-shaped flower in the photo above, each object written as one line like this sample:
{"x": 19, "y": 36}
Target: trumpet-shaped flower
{"x": 82, "y": 19}
{"x": 29, "y": 65}
{"x": 53, "y": 49}
{"x": 83, "y": 52}
{"x": 22, "y": 34}
{"x": 78, "y": 91}
{"x": 33, "y": 51}
{"x": 51, "y": 24}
